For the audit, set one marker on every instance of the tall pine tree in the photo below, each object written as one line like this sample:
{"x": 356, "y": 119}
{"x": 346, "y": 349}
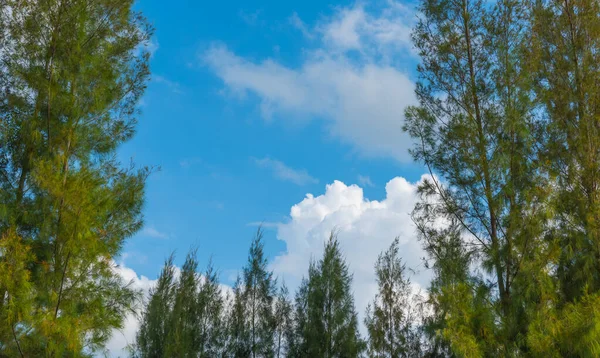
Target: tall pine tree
{"x": 184, "y": 316}
{"x": 259, "y": 296}
{"x": 477, "y": 129}
{"x": 297, "y": 335}
{"x": 183, "y": 335}
{"x": 391, "y": 319}
{"x": 331, "y": 327}
{"x": 238, "y": 336}
{"x": 210, "y": 315}
{"x": 567, "y": 35}
{"x": 71, "y": 73}
{"x": 282, "y": 315}
{"x": 153, "y": 335}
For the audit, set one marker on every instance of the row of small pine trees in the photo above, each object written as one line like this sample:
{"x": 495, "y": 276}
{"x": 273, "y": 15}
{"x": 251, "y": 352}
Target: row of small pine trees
{"x": 189, "y": 314}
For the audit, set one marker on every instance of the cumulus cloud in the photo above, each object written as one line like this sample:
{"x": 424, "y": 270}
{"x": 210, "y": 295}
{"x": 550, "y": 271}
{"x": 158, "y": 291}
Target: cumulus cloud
{"x": 365, "y": 228}
{"x": 349, "y": 79}
{"x": 283, "y": 172}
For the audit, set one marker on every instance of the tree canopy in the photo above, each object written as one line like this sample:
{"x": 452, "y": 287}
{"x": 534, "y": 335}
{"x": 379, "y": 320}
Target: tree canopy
{"x": 71, "y": 74}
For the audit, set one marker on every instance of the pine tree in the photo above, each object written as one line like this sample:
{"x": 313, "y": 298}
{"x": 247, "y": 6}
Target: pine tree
{"x": 184, "y": 316}
{"x": 331, "y": 328}
{"x": 283, "y": 322}
{"x": 210, "y": 315}
{"x": 566, "y": 35}
{"x": 296, "y": 337}
{"x": 238, "y": 335}
{"x": 450, "y": 269}
{"x": 71, "y": 74}
{"x": 259, "y": 294}
{"x": 391, "y": 318}
{"x": 18, "y": 300}
{"x": 153, "y": 335}
{"x": 477, "y": 129}
{"x": 183, "y": 325}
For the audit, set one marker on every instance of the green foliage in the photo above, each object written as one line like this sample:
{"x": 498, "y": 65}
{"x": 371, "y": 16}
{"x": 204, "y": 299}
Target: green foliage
{"x": 572, "y": 331}
{"x": 259, "y": 294}
{"x": 184, "y": 316}
{"x": 210, "y": 315}
{"x": 391, "y": 319}
{"x": 151, "y": 339}
{"x": 15, "y": 287}
{"x": 238, "y": 334}
{"x": 283, "y": 322}
{"x": 184, "y": 331}
{"x": 331, "y": 325}
{"x": 508, "y": 122}
{"x": 71, "y": 75}
{"x": 450, "y": 269}
{"x": 479, "y": 131}
{"x": 567, "y": 34}
{"x": 298, "y": 345}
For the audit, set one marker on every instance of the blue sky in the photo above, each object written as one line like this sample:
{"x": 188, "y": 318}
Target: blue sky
{"x": 255, "y": 104}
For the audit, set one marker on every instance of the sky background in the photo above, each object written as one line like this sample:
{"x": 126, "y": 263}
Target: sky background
{"x": 288, "y": 113}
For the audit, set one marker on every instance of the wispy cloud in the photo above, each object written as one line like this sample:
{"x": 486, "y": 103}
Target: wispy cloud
{"x": 151, "y": 46}
{"x": 188, "y": 162}
{"x": 283, "y": 172}
{"x": 219, "y": 205}
{"x": 171, "y": 85}
{"x": 150, "y": 231}
{"x": 264, "y": 224}
{"x": 365, "y": 181}
{"x": 251, "y": 18}
{"x": 353, "y": 75}
{"x": 297, "y": 22}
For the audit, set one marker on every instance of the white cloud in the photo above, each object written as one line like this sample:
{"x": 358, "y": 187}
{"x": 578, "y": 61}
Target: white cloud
{"x": 297, "y": 22}
{"x": 151, "y": 46}
{"x": 365, "y": 180}
{"x": 343, "y": 30}
{"x": 171, "y": 85}
{"x": 361, "y": 96}
{"x": 283, "y": 172}
{"x": 150, "y": 231}
{"x": 264, "y": 224}
{"x": 376, "y": 33}
{"x": 365, "y": 229}
{"x": 117, "y": 345}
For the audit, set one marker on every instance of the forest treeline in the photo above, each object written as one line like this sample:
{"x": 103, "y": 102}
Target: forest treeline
{"x": 507, "y": 124}
{"x": 189, "y": 314}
